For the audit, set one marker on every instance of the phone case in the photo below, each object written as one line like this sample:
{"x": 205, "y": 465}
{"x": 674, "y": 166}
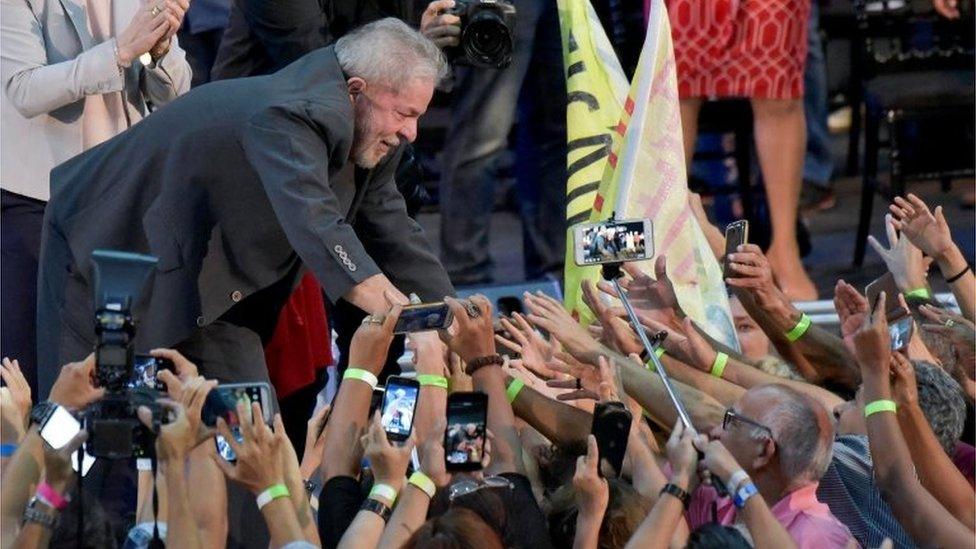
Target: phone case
{"x": 611, "y": 427}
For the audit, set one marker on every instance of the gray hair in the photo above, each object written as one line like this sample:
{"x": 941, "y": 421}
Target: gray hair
{"x": 940, "y": 399}
{"x": 388, "y": 52}
{"x": 803, "y": 432}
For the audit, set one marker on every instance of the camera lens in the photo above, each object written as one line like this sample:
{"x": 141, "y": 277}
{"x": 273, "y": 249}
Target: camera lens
{"x": 487, "y": 39}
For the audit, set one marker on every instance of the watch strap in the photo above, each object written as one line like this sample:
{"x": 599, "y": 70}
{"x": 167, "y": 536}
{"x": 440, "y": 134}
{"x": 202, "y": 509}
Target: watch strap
{"x": 41, "y": 411}
{"x": 33, "y": 514}
{"x": 743, "y": 494}
{"x": 677, "y": 492}
{"x": 378, "y": 507}
{"x": 478, "y": 363}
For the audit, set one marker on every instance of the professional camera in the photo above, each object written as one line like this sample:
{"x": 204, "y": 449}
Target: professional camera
{"x": 487, "y": 33}
{"x": 114, "y": 430}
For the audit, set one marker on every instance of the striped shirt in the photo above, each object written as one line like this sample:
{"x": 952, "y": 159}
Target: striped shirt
{"x": 848, "y": 488}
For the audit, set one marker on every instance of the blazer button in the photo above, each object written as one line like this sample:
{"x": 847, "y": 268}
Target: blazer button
{"x": 236, "y": 296}
{"x": 200, "y": 321}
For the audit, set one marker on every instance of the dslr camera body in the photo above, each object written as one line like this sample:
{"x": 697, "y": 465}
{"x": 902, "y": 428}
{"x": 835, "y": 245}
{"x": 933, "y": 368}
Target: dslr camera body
{"x": 114, "y": 429}
{"x": 487, "y": 33}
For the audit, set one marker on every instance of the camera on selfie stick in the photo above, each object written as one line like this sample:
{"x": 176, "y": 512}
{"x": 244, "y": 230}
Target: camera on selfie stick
{"x": 114, "y": 429}
{"x": 487, "y": 33}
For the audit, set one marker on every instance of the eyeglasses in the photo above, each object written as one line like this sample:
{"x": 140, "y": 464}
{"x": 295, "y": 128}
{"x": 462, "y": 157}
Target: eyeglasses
{"x": 731, "y": 416}
{"x": 465, "y": 487}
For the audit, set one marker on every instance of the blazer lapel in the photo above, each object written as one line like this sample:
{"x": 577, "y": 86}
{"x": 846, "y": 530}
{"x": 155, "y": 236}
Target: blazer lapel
{"x": 76, "y": 12}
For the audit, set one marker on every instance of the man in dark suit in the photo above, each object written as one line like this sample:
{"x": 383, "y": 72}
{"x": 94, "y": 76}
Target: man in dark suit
{"x": 236, "y": 188}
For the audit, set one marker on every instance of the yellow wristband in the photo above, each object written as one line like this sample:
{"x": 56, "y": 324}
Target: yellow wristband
{"x": 801, "y": 328}
{"x": 362, "y": 375}
{"x": 879, "y": 406}
{"x": 919, "y": 293}
{"x": 423, "y": 482}
{"x": 718, "y": 367}
{"x": 432, "y": 380}
{"x": 384, "y": 491}
{"x": 514, "y": 388}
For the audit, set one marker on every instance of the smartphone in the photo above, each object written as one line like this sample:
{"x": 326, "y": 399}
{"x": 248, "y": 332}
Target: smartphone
{"x": 144, "y": 370}
{"x": 376, "y": 399}
{"x": 399, "y": 403}
{"x": 423, "y": 317}
{"x": 901, "y": 330}
{"x": 613, "y": 241}
{"x": 886, "y": 284}
{"x": 464, "y": 438}
{"x": 736, "y": 234}
{"x": 222, "y": 402}
{"x": 59, "y": 428}
{"x": 611, "y": 427}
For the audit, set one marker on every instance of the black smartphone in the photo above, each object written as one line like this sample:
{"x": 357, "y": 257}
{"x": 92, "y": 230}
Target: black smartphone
{"x": 144, "y": 370}
{"x": 611, "y": 427}
{"x": 885, "y": 283}
{"x": 222, "y": 402}
{"x": 736, "y": 234}
{"x": 399, "y": 403}
{"x": 376, "y": 399}
{"x": 464, "y": 438}
{"x": 423, "y": 317}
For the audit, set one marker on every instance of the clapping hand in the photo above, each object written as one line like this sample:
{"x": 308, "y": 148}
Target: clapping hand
{"x": 930, "y": 233}
{"x": 20, "y": 391}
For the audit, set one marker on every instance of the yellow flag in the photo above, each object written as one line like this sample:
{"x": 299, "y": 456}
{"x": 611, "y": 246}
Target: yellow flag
{"x": 646, "y": 178}
{"x": 596, "y": 89}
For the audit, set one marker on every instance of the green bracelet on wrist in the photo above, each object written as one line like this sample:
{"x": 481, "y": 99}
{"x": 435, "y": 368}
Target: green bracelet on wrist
{"x": 878, "y": 406}
{"x": 513, "y": 390}
{"x": 919, "y": 293}
{"x": 718, "y": 366}
{"x": 801, "y": 328}
{"x": 432, "y": 380}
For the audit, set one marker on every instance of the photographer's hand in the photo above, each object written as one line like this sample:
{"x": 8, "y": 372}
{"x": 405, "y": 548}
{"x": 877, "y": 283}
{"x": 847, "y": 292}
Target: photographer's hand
{"x": 74, "y": 389}
{"x": 444, "y": 29}
{"x": 20, "y": 390}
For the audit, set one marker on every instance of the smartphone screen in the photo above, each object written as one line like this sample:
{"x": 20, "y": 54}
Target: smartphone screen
{"x": 60, "y": 428}
{"x": 222, "y": 402}
{"x": 736, "y": 234}
{"x": 399, "y": 402}
{"x": 613, "y": 241}
{"x": 885, "y": 283}
{"x": 611, "y": 427}
{"x": 900, "y": 331}
{"x": 423, "y": 317}
{"x": 464, "y": 439}
{"x": 144, "y": 370}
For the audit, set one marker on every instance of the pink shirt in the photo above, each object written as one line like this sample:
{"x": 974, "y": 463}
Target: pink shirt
{"x": 808, "y": 521}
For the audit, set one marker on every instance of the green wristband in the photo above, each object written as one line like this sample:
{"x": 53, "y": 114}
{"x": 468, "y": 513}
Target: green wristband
{"x": 659, "y": 352}
{"x": 801, "y": 328}
{"x": 718, "y": 367}
{"x": 362, "y": 375}
{"x": 878, "y": 406}
{"x": 432, "y": 380}
{"x": 272, "y": 493}
{"x": 514, "y": 388}
{"x": 919, "y": 293}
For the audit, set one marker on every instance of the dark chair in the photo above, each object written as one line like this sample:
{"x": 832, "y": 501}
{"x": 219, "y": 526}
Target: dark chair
{"x": 732, "y": 116}
{"x": 916, "y": 82}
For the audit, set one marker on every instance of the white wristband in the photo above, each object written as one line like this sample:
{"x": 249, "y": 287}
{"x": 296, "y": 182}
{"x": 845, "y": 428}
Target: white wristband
{"x": 144, "y": 464}
{"x": 362, "y": 375}
{"x": 736, "y": 479}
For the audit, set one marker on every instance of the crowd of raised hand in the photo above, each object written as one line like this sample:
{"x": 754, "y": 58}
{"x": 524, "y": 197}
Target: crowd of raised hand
{"x": 827, "y": 440}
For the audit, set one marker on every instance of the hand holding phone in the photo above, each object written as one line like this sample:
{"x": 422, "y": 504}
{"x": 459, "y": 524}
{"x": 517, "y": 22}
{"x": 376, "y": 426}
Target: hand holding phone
{"x": 736, "y": 234}
{"x": 613, "y": 241}
{"x": 399, "y": 404}
{"x": 423, "y": 317}
{"x": 611, "y": 427}
{"x": 222, "y": 402}
{"x": 464, "y": 438}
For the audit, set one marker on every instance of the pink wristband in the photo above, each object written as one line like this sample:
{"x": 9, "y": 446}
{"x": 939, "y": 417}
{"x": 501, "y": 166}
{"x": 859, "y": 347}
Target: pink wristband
{"x": 50, "y": 495}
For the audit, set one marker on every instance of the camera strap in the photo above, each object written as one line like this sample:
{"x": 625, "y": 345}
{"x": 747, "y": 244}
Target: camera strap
{"x": 80, "y": 456}
{"x": 156, "y": 542}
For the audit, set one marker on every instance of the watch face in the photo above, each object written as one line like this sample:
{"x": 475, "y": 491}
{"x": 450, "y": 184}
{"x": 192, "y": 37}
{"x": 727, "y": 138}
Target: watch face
{"x": 41, "y": 411}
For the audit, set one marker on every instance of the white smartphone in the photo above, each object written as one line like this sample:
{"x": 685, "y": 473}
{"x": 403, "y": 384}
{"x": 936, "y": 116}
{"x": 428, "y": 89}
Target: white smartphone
{"x": 613, "y": 241}
{"x": 59, "y": 429}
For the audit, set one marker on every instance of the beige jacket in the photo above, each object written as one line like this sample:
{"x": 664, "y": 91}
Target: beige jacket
{"x": 48, "y": 64}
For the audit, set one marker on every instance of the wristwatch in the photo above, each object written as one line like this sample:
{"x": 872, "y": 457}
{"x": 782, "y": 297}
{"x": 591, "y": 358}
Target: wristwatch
{"x": 34, "y": 513}
{"x": 310, "y": 486}
{"x": 378, "y": 507}
{"x": 41, "y": 411}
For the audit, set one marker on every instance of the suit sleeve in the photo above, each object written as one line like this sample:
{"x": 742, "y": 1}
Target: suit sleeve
{"x": 287, "y": 29}
{"x": 168, "y": 78}
{"x": 290, "y": 154}
{"x": 397, "y": 243}
{"x": 35, "y": 87}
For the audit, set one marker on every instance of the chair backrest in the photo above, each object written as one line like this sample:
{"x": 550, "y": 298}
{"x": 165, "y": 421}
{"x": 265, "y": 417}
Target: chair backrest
{"x": 909, "y": 36}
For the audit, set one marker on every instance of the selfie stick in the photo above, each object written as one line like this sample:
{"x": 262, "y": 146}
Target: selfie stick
{"x": 611, "y": 272}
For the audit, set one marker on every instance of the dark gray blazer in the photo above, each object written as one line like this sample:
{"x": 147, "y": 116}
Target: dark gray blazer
{"x": 231, "y": 186}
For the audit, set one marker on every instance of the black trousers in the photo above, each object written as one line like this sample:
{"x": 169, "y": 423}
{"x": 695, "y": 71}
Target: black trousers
{"x": 21, "y": 219}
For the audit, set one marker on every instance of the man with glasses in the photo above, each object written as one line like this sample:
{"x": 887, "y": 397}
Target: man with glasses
{"x": 783, "y": 441}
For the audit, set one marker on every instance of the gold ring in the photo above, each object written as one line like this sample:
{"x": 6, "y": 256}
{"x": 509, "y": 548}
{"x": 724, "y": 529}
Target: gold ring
{"x": 155, "y": 10}
{"x": 373, "y": 319}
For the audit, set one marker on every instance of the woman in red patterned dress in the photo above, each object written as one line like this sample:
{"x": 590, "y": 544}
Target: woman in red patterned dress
{"x": 754, "y": 49}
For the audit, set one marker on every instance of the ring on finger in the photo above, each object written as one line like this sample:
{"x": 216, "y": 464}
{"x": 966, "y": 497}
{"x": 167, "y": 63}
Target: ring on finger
{"x": 579, "y": 384}
{"x": 949, "y": 323}
{"x": 155, "y": 10}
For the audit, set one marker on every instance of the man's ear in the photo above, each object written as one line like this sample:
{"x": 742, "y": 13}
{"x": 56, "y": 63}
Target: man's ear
{"x": 356, "y": 86}
{"x": 767, "y": 449}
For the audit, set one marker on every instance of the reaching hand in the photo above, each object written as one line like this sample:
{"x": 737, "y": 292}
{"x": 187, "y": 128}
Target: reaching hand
{"x": 686, "y": 344}
{"x": 444, "y": 29}
{"x": 930, "y": 233}
{"x": 371, "y": 342}
{"x": 258, "y": 465}
{"x": 20, "y": 391}
{"x": 74, "y": 388}
{"x": 904, "y": 387}
{"x": 174, "y": 439}
{"x": 193, "y": 396}
{"x": 184, "y": 370}
{"x": 549, "y": 314}
{"x": 960, "y": 332}
{"x": 57, "y": 463}
{"x": 584, "y": 378}
{"x": 903, "y": 259}
{"x": 389, "y": 462}
{"x": 12, "y": 424}
{"x": 430, "y": 354}
{"x": 682, "y": 455}
{"x": 618, "y": 331}
{"x": 592, "y": 490}
{"x": 754, "y": 275}
{"x": 852, "y": 309}
{"x": 535, "y": 351}
{"x": 475, "y": 335}
{"x": 315, "y": 441}
{"x": 872, "y": 342}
